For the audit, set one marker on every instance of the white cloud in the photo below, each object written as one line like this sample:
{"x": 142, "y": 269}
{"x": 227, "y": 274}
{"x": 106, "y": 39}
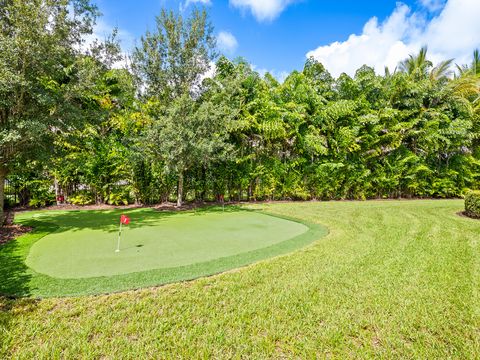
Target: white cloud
{"x": 263, "y": 10}
{"x": 184, "y": 5}
{"x": 454, "y": 33}
{"x": 433, "y": 5}
{"x": 226, "y": 42}
{"x": 450, "y": 34}
{"x": 279, "y": 75}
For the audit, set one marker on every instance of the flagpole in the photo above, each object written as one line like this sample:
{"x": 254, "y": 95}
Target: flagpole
{"x": 119, "y": 235}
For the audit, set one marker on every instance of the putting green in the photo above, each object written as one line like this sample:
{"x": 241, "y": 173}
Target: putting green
{"x": 178, "y": 240}
{"x": 73, "y": 252}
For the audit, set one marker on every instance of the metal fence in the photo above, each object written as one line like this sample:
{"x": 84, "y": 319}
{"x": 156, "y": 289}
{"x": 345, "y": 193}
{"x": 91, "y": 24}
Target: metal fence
{"x": 11, "y": 194}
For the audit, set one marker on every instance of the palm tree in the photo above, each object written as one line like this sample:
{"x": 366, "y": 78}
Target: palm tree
{"x": 417, "y": 66}
{"x": 476, "y": 63}
{"x": 473, "y": 69}
{"x": 442, "y": 71}
{"x": 467, "y": 83}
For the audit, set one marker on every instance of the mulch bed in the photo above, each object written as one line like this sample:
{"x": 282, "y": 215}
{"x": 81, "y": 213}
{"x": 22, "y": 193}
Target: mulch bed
{"x": 10, "y": 231}
{"x": 78, "y": 207}
{"x": 168, "y": 206}
{"x": 467, "y": 215}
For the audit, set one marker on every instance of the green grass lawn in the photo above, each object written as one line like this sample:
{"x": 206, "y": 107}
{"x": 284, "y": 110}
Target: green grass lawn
{"x": 392, "y": 279}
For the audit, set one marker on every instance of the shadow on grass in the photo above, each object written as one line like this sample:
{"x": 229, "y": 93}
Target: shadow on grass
{"x": 15, "y": 275}
{"x": 108, "y": 220}
{"x": 14, "y": 279}
{"x": 218, "y": 209}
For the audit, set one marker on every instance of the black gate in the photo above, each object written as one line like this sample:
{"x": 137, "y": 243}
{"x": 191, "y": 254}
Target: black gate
{"x": 11, "y": 194}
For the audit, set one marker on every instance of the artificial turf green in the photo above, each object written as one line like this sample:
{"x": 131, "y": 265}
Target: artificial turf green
{"x": 73, "y": 252}
{"x": 162, "y": 242}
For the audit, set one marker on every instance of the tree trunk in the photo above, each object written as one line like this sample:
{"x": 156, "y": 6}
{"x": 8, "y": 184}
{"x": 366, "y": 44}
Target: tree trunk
{"x": 203, "y": 191}
{"x": 180, "y": 189}
{"x": 57, "y": 191}
{"x": 3, "y": 175}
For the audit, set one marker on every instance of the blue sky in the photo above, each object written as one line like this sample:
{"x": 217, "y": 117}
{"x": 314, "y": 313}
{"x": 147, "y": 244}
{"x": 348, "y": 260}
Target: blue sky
{"x": 278, "y": 35}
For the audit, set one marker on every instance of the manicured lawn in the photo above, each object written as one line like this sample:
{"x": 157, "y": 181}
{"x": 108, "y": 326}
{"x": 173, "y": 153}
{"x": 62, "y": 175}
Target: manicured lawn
{"x": 392, "y": 279}
{"x": 73, "y": 252}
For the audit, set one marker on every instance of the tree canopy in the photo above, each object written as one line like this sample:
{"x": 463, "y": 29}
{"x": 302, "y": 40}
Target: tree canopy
{"x": 164, "y": 130}
{"x": 45, "y": 83}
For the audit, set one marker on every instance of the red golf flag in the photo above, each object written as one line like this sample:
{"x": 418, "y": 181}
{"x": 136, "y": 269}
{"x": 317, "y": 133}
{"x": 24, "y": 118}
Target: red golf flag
{"x": 124, "y": 219}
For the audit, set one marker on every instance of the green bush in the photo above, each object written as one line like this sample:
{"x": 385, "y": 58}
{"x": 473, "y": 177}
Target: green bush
{"x": 38, "y": 202}
{"x": 472, "y": 203}
{"x": 41, "y": 193}
{"x": 300, "y": 193}
{"x": 119, "y": 197}
{"x": 42, "y": 199}
{"x": 81, "y": 199}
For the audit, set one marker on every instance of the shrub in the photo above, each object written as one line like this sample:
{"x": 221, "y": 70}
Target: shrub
{"x": 472, "y": 203}
{"x": 119, "y": 197}
{"x": 41, "y": 193}
{"x": 300, "y": 193}
{"x": 41, "y": 200}
{"x": 81, "y": 199}
{"x": 37, "y": 202}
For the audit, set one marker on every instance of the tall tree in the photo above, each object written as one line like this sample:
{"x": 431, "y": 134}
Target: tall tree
{"x": 170, "y": 65}
{"x": 40, "y": 42}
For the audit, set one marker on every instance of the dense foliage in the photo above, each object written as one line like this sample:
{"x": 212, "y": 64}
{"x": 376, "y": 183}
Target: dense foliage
{"x": 472, "y": 203}
{"x": 47, "y": 83}
{"x": 162, "y": 130}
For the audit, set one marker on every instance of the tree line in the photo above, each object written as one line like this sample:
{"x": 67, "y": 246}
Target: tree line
{"x": 159, "y": 129}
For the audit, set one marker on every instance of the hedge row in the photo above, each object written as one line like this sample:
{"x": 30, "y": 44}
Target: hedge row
{"x": 472, "y": 203}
